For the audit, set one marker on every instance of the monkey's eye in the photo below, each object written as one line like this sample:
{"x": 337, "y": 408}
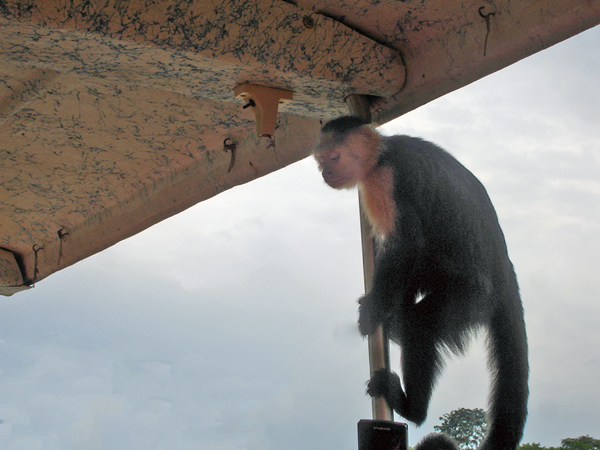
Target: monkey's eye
{"x": 332, "y": 157}
{"x": 322, "y": 159}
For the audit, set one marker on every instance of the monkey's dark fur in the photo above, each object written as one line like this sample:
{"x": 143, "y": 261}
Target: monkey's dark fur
{"x": 442, "y": 272}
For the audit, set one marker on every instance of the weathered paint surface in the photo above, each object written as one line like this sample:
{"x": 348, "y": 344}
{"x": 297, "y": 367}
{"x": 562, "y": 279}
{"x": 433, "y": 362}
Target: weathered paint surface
{"x": 113, "y": 115}
{"x": 203, "y": 48}
{"x": 449, "y": 44}
{"x": 114, "y": 164}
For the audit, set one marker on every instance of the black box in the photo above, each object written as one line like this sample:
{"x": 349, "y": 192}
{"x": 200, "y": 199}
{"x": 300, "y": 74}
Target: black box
{"x": 382, "y": 435}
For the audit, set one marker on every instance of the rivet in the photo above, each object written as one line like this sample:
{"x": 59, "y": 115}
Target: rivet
{"x": 308, "y": 21}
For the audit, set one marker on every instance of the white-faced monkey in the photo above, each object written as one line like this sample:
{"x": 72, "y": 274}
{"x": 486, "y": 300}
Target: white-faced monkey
{"x": 441, "y": 272}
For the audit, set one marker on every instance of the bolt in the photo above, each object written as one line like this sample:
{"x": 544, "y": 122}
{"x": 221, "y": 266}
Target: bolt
{"x": 308, "y": 22}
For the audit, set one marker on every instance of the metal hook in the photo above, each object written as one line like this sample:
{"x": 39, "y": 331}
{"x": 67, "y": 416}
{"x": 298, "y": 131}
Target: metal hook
{"x": 486, "y": 17}
{"x": 230, "y": 146}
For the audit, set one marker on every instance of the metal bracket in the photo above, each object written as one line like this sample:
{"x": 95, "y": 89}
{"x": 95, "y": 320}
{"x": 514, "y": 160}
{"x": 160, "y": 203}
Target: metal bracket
{"x": 265, "y": 102}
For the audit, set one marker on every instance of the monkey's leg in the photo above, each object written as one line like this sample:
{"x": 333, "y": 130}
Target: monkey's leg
{"x": 417, "y": 331}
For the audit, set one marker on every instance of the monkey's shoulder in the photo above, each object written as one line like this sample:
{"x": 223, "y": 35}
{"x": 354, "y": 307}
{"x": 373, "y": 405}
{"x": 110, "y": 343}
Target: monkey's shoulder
{"x": 423, "y": 165}
{"x": 431, "y": 180}
{"x": 417, "y": 165}
{"x": 411, "y": 151}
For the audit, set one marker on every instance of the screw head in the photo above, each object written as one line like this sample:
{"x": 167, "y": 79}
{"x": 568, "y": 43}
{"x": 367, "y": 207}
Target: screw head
{"x": 308, "y": 22}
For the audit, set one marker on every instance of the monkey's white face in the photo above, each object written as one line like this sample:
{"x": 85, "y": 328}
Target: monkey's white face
{"x": 340, "y": 166}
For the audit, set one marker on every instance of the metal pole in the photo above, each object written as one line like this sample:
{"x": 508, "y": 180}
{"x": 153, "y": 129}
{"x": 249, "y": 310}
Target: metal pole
{"x": 379, "y": 348}
{"x": 379, "y": 355}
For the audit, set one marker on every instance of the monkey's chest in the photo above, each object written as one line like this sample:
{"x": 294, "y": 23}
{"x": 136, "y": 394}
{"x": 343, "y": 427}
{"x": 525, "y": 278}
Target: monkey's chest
{"x": 378, "y": 200}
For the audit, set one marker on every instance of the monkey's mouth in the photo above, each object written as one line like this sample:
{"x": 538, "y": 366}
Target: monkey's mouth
{"x": 334, "y": 182}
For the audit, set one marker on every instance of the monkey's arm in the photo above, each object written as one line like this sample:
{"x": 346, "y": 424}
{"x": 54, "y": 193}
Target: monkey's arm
{"x": 394, "y": 271}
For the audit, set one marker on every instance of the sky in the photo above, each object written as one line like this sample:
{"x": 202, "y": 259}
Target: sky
{"x": 233, "y": 324}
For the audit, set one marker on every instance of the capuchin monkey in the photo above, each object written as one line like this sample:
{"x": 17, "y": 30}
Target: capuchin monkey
{"x": 441, "y": 272}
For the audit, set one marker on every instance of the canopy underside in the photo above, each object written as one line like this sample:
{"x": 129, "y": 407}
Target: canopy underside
{"x": 114, "y": 115}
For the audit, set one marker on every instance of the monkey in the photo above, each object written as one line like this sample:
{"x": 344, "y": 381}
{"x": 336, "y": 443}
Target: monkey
{"x": 442, "y": 272}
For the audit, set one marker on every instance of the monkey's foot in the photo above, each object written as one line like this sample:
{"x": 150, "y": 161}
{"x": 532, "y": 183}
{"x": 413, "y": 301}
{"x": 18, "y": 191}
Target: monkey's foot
{"x": 385, "y": 384}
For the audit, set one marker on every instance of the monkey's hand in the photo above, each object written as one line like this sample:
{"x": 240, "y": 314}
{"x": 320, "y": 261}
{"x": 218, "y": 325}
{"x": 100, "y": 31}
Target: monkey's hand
{"x": 386, "y": 384}
{"x": 368, "y": 317}
{"x": 371, "y": 313}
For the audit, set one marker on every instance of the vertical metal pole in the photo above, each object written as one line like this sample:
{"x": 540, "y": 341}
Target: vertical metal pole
{"x": 379, "y": 354}
{"x": 379, "y": 348}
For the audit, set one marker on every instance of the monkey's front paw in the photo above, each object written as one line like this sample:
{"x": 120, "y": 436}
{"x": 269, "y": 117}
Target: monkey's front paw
{"x": 367, "y": 319}
{"x": 384, "y": 384}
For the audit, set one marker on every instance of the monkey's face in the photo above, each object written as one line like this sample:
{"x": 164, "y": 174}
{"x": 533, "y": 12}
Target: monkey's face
{"x": 340, "y": 164}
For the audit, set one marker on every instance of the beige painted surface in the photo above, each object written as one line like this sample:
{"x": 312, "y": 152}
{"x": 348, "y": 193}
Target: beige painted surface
{"x": 113, "y": 115}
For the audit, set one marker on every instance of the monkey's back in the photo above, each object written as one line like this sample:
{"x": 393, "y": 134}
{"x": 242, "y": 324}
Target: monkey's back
{"x": 458, "y": 236}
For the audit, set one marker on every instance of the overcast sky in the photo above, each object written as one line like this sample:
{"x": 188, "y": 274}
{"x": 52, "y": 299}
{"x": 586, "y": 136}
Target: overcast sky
{"x": 232, "y": 325}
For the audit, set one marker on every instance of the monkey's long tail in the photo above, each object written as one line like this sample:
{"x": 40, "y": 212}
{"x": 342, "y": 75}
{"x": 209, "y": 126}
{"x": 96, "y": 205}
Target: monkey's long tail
{"x": 508, "y": 363}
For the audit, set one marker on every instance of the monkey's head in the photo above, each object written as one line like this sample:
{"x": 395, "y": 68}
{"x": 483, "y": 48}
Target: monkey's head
{"x": 347, "y": 151}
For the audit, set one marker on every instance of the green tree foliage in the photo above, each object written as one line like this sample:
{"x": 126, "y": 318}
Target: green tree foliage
{"x": 581, "y": 443}
{"x": 535, "y": 446}
{"x": 466, "y": 426}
